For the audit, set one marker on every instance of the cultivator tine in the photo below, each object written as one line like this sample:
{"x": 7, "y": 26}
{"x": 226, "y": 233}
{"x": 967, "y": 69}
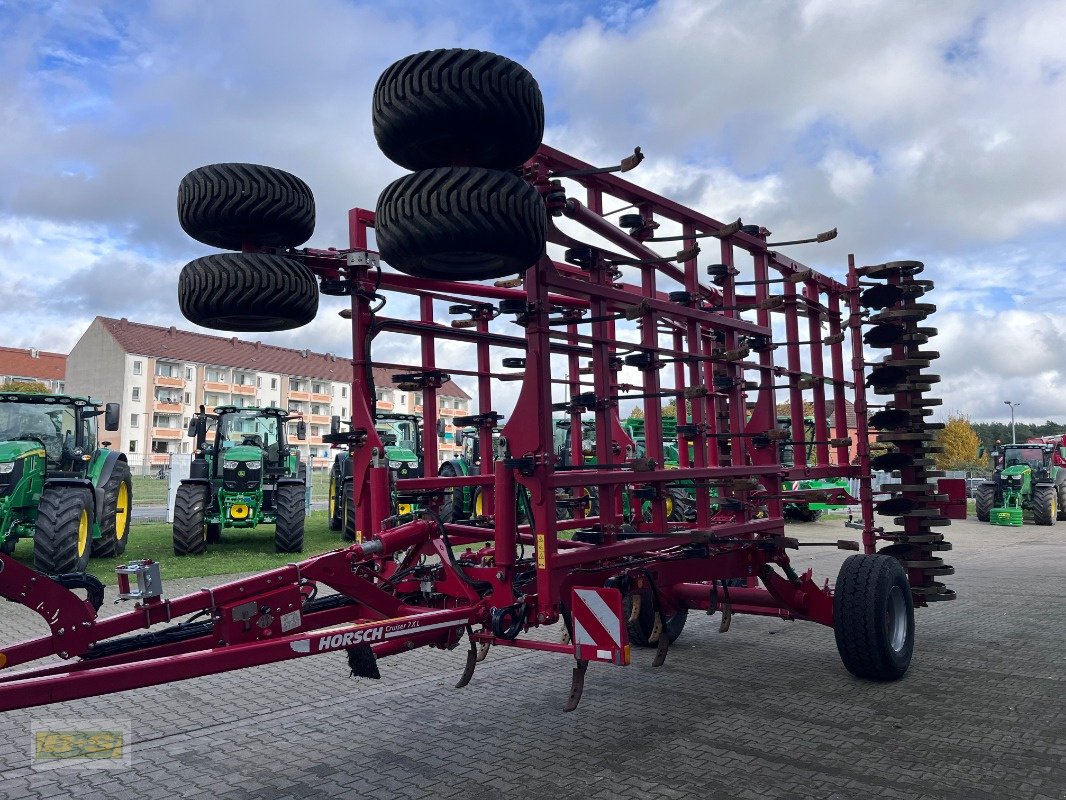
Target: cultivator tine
{"x": 471, "y": 660}
{"x": 577, "y": 686}
{"x": 664, "y": 641}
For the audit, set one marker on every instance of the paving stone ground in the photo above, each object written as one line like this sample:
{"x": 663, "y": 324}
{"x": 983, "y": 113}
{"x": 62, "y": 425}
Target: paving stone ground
{"x": 763, "y": 711}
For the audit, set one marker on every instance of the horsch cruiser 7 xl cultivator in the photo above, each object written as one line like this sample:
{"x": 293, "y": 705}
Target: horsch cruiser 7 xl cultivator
{"x": 728, "y": 326}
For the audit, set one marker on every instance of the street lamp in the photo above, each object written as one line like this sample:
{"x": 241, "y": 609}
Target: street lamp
{"x": 1013, "y": 436}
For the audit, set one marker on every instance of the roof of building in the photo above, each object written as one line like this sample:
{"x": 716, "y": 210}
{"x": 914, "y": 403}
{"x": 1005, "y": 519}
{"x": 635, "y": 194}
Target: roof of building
{"x": 155, "y": 341}
{"x": 849, "y": 412}
{"x": 32, "y": 364}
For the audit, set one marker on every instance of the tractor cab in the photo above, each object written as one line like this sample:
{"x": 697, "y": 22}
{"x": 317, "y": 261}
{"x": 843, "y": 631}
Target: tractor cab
{"x": 401, "y": 434}
{"x": 1016, "y": 459}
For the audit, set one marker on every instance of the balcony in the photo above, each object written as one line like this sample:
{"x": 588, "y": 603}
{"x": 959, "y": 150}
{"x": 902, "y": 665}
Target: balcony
{"x": 166, "y": 407}
{"x": 300, "y": 397}
{"x": 167, "y": 433}
{"x": 170, "y": 383}
{"x": 318, "y": 419}
{"x": 385, "y": 405}
{"x": 319, "y": 398}
{"x": 246, "y": 389}
{"x": 216, "y": 386}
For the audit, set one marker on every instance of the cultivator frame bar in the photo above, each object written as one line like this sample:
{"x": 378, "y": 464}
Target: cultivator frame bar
{"x": 403, "y": 585}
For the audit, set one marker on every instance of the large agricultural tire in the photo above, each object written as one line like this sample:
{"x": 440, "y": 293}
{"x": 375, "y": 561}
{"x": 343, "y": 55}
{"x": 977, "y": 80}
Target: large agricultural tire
{"x": 641, "y": 625}
{"x": 1045, "y": 505}
{"x": 1061, "y": 498}
{"x": 61, "y": 540}
{"x": 335, "y": 514}
{"x": 118, "y": 504}
{"x": 444, "y": 107}
{"x": 452, "y": 509}
{"x": 461, "y": 223}
{"x": 290, "y": 501}
{"x": 247, "y": 292}
{"x": 348, "y": 532}
{"x": 230, "y": 205}
{"x": 190, "y": 526}
{"x": 873, "y": 617}
{"x": 984, "y": 497}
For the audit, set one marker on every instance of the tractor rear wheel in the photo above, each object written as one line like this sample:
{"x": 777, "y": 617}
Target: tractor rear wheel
{"x": 873, "y": 617}
{"x": 1060, "y": 497}
{"x": 289, "y": 501}
{"x": 1045, "y": 505}
{"x": 61, "y": 540}
{"x": 118, "y": 502}
{"x": 461, "y": 223}
{"x": 247, "y": 292}
{"x": 453, "y": 509}
{"x": 190, "y": 525}
{"x": 444, "y": 107}
{"x": 639, "y": 611}
{"x": 348, "y": 533}
{"x": 336, "y": 502}
{"x": 984, "y": 497}
{"x": 230, "y": 205}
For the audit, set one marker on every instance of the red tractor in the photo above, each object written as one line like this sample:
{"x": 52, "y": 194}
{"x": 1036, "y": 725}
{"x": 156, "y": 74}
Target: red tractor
{"x": 518, "y": 251}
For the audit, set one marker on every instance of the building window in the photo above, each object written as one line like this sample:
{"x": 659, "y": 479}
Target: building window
{"x": 344, "y": 391}
{"x": 136, "y": 367}
{"x": 160, "y": 446}
{"x": 133, "y": 446}
{"x": 344, "y": 412}
{"x": 215, "y": 375}
{"x": 135, "y": 420}
{"x": 258, "y": 382}
{"x": 403, "y": 399}
{"x": 273, "y": 383}
{"x": 316, "y": 388}
{"x": 188, "y": 373}
{"x": 136, "y": 393}
{"x": 188, "y": 398}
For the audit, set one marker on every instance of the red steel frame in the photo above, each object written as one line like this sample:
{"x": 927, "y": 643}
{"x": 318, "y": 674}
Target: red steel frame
{"x": 399, "y": 586}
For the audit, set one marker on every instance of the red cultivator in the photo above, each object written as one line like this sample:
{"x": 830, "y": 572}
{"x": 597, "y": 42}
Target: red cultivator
{"x": 590, "y": 539}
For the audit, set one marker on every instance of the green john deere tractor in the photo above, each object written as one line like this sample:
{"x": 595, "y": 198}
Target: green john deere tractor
{"x": 1025, "y": 481}
{"x": 804, "y": 512}
{"x": 244, "y": 476}
{"x": 58, "y": 484}
{"x": 402, "y": 436}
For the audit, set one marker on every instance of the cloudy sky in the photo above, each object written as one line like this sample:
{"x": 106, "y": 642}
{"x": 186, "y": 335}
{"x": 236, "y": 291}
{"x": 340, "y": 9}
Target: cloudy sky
{"x": 920, "y": 130}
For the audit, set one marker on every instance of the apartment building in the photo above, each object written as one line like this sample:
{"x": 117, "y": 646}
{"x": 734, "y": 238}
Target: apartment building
{"x": 162, "y": 375}
{"x": 49, "y": 369}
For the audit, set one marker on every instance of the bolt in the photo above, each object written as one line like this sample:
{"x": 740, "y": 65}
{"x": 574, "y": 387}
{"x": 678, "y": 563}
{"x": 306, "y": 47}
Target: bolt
{"x": 60, "y": 632}
{"x": 542, "y": 617}
{"x": 499, "y": 575}
{"x": 64, "y": 654}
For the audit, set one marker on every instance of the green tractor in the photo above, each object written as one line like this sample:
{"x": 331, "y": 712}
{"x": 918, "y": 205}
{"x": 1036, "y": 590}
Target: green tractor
{"x": 804, "y": 512}
{"x": 464, "y": 502}
{"x": 1025, "y": 480}
{"x": 59, "y": 485}
{"x": 402, "y": 436}
{"x": 246, "y": 475}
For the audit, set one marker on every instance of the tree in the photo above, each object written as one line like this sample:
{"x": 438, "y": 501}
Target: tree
{"x": 960, "y": 443}
{"x": 25, "y": 387}
{"x": 636, "y": 413}
{"x": 670, "y": 409}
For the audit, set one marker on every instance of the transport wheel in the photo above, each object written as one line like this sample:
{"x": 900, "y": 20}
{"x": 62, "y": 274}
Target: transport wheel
{"x": 289, "y": 528}
{"x": 190, "y": 527}
{"x": 336, "y": 502}
{"x": 247, "y": 292}
{"x": 641, "y": 626}
{"x": 115, "y": 525}
{"x": 461, "y": 223}
{"x": 873, "y": 617}
{"x": 984, "y": 496}
{"x": 61, "y": 540}
{"x": 1045, "y": 505}
{"x": 443, "y": 107}
{"x": 229, "y": 205}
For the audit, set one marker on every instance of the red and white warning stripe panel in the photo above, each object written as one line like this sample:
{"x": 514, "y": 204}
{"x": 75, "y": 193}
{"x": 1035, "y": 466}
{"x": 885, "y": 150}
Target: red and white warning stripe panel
{"x": 599, "y": 632}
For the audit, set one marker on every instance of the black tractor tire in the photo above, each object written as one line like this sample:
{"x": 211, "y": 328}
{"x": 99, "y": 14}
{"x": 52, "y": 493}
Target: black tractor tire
{"x": 190, "y": 526}
{"x": 348, "y": 532}
{"x": 115, "y": 524}
{"x": 7, "y": 547}
{"x": 444, "y": 107}
{"x": 290, "y": 504}
{"x": 984, "y": 497}
{"x": 230, "y": 205}
{"x": 62, "y": 538}
{"x": 1045, "y": 505}
{"x": 247, "y": 292}
{"x": 642, "y": 629}
{"x": 461, "y": 223}
{"x": 873, "y": 617}
{"x": 1061, "y": 496}
{"x": 335, "y": 505}
{"x": 451, "y": 510}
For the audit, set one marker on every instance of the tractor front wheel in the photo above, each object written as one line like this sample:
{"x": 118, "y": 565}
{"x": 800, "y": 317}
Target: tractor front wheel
{"x": 190, "y": 526}
{"x": 336, "y": 502}
{"x": 1045, "y": 505}
{"x": 289, "y": 528}
{"x": 118, "y": 502}
{"x": 984, "y": 497}
{"x": 61, "y": 541}
{"x": 873, "y": 617}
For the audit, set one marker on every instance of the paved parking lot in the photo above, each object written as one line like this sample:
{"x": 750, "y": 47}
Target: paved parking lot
{"x": 763, "y": 711}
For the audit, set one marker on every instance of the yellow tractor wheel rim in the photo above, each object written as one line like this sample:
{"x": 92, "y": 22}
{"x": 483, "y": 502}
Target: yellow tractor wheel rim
{"x": 83, "y": 532}
{"x": 669, "y": 507}
{"x": 477, "y": 505}
{"x": 122, "y": 511}
{"x": 332, "y": 497}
